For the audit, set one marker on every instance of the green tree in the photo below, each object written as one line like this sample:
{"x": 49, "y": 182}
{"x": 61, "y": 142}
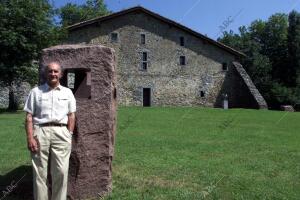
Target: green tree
{"x": 255, "y": 63}
{"x": 26, "y": 27}
{"x": 275, "y": 46}
{"x": 294, "y": 53}
{"x": 72, "y": 13}
{"x": 266, "y": 45}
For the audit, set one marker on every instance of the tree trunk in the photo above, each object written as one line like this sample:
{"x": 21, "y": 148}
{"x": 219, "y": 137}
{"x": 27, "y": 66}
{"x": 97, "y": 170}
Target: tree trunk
{"x": 13, "y": 103}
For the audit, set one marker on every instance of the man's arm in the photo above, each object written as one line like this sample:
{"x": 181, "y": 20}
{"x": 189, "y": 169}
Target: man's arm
{"x": 71, "y": 122}
{"x": 32, "y": 144}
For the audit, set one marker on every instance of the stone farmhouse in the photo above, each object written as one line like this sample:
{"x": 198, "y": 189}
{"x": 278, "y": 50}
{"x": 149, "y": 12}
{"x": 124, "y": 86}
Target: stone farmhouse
{"x": 161, "y": 62}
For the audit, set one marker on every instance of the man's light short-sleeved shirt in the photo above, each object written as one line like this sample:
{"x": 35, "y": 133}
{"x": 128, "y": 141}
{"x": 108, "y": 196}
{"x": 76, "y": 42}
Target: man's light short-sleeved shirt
{"x": 50, "y": 105}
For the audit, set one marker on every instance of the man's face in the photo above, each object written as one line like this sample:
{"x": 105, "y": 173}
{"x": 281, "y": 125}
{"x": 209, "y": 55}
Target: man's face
{"x": 53, "y": 74}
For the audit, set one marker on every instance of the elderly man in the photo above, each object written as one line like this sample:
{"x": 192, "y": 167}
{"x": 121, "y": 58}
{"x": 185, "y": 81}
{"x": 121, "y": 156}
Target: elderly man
{"x": 50, "y": 121}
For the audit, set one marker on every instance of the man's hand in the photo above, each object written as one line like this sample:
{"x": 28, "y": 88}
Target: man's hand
{"x": 71, "y": 122}
{"x": 32, "y": 144}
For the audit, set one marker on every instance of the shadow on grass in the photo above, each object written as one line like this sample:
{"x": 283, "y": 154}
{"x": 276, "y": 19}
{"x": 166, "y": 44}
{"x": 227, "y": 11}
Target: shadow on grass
{"x": 3, "y": 110}
{"x": 7, "y": 111}
{"x": 17, "y": 184}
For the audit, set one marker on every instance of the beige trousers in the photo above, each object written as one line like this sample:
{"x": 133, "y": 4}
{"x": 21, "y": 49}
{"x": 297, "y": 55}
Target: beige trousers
{"x": 56, "y": 141}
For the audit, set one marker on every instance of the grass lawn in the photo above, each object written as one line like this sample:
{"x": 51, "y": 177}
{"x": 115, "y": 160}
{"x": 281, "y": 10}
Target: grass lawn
{"x": 187, "y": 153}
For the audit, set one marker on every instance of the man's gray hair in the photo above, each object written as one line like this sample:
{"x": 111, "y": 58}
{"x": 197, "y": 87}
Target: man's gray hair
{"x": 45, "y": 67}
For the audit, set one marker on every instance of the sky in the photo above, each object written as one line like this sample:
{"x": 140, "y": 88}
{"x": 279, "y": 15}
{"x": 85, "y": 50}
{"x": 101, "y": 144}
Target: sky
{"x": 208, "y": 17}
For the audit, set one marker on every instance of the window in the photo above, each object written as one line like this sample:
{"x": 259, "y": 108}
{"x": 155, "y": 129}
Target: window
{"x": 224, "y": 66}
{"x": 182, "y": 60}
{"x": 181, "y": 39}
{"x": 79, "y": 81}
{"x": 70, "y": 80}
{"x": 143, "y": 38}
{"x": 114, "y": 37}
{"x": 144, "y": 66}
{"x": 144, "y": 61}
{"x": 202, "y": 93}
{"x": 145, "y": 56}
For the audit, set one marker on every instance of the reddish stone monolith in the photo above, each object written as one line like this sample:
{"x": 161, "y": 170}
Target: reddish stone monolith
{"x": 89, "y": 70}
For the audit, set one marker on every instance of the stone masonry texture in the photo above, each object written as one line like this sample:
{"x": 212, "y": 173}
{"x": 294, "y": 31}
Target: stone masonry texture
{"x": 90, "y": 172}
{"x": 21, "y": 90}
{"x": 170, "y": 82}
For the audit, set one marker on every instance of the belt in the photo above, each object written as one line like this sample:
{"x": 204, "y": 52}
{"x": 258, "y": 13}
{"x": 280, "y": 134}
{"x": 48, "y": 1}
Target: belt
{"x": 52, "y": 124}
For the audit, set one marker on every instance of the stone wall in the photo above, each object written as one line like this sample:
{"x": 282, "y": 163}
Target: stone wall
{"x": 21, "y": 90}
{"x": 4, "y": 96}
{"x": 170, "y": 82}
{"x": 241, "y": 91}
